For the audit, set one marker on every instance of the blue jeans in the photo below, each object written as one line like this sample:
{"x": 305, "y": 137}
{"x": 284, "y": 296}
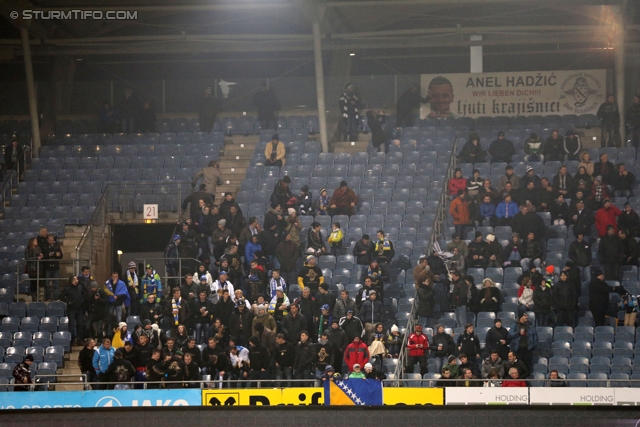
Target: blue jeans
{"x": 524, "y": 263}
{"x": 115, "y": 312}
{"x": 201, "y": 332}
{"x": 284, "y": 372}
{"x": 273, "y": 261}
{"x": 440, "y": 362}
{"x": 52, "y": 286}
{"x": 461, "y": 316}
{"x": 423, "y": 320}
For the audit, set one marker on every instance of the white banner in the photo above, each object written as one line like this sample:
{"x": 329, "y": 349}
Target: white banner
{"x": 573, "y": 396}
{"x": 532, "y": 93}
{"x": 486, "y": 396}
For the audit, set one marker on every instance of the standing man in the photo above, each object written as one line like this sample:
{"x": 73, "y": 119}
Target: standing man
{"x": 211, "y": 178}
{"x": 133, "y": 286}
{"x": 51, "y": 253}
{"x": 305, "y": 358}
{"x": 118, "y": 295}
{"x": 208, "y": 109}
{"x": 193, "y": 201}
{"x": 349, "y": 106}
{"x": 343, "y": 201}
{"x": 14, "y": 156}
{"x": 609, "y": 116}
{"x": 128, "y": 110}
{"x": 599, "y": 297}
{"x": 409, "y": 101}
{"x": 172, "y": 255}
{"x": 418, "y": 345}
{"x": 102, "y": 358}
{"x": 266, "y": 101}
{"x": 74, "y": 296}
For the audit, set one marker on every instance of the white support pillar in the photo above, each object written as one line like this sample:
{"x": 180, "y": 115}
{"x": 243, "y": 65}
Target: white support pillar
{"x": 322, "y": 109}
{"x": 619, "y": 67}
{"x": 476, "y": 55}
{"x": 31, "y": 92}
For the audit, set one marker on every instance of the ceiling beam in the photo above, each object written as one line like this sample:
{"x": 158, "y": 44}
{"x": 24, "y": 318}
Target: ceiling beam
{"x": 400, "y": 3}
{"x": 272, "y": 5}
{"x": 8, "y": 9}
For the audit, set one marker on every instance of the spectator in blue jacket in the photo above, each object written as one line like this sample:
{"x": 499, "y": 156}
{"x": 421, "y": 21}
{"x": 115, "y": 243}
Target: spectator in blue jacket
{"x": 102, "y": 358}
{"x": 118, "y": 295}
{"x": 506, "y": 210}
{"x": 251, "y": 248}
{"x": 486, "y": 211}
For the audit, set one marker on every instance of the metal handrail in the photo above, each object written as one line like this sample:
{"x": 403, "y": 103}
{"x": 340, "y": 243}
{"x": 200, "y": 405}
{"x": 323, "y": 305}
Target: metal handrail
{"x": 278, "y": 383}
{"x": 437, "y": 230}
{"x": 21, "y": 278}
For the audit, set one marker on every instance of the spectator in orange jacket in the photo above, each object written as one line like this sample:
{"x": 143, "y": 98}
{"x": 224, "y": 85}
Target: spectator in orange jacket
{"x": 459, "y": 210}
{"x": 356, "y": 352}
{"x": 605, "y": 216}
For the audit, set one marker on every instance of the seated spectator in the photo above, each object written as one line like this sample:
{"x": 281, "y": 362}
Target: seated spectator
{"x": 488, "y": 190}
{"x": 531, "y": 251}
{"x": 554, "y": 147}
{"x": 394, "y": 342}
{"x": 559, "y": 211}
{"x": 323, "y": 202}
{"x": 282, "y": 194}
{"x": 506, "y": 210}
{"x": 555, "y": 380}
{"x": 486, "y": 212}
{"x": 470, "y": 380}
{"x": 452, "y": 367}
{"x": 628, "y": 248}
{"x": 513, "y": 251}
{"x": 315, "y": 240}
{"x": 530, "y": 175}
{"x": 501, "y": 149}
{"x": 457, "y": 182}
{"x": 491, "y": 364}
{"x": 458, "y": 243}
{"x": 446, "y": 380}
{"x": 623, "y": 182}
{"x": 572, "y": 145}
{"x": 274, "y": 152}
{"x": 472, "y": 151}
{"x": 527, "y": 221}
{"x": 629, "y": 220}
{"x": 305, "y": 201}
{"x": 529, "y": 194}
{"x": 477, "y": 252}
{"x": 533, "y": 148}
{"x": 509, "y": 177}
{"x": 582, "y": 180}
{"x": 514, "y": 380}
{"x": 581, "y": 218}
{"x": 605, "y": 169}
{"x": 606, "y": 216}
{"x": 493, "y": 380}
{"x": 546, "y": 195}
{"x": 495, "y": 252}
{"x": 525, "y": 295}
{"x": 490, "y": 297}
{"x": 473, "y": 184}
{"x": 343, "y": 201}
{"x": 563, "y": 182}
{"x": 585, "y": 160}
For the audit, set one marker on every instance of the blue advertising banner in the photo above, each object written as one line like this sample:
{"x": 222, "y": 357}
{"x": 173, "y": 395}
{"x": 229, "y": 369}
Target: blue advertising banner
{"x": 99, "y": 399}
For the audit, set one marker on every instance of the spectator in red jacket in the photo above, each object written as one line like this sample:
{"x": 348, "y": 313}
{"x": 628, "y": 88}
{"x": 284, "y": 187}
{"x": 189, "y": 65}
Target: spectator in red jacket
{"x": 417, "y": 345}
{"x": 356, "y": 352}
{"x": 515, "y": 380}
{"x": 605, "y": 216}
{"x": 456, "y": 183}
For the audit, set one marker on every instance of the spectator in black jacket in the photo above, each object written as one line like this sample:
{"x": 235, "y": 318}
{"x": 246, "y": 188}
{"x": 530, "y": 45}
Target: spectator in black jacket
{"x": 599, "y": 297}
{"x": 193, "y": 201}
{"x": 442, "y": 346}
{"x": 581, "y": 218}
{"x": 426, "y": 301}
{"x": 120, "y": 371}
{"x": 73, "y": 295}
{"x": 340, "y": 341}
{"x": 628, "y": 220}
{"x": 14, "y": 156}
{"x": 409, "y": 101}
{"x": 564, "y": 300}
{"x": 623, "y": 182}
{"x": 259, "y": 361}
{"x": 609, "y": 116}
{"x": 542, "y": 302}
{"x": 51, "y": 253}
{"x": 284, "y": 358}
{"x": 605, "y": 169}
{"x": 363, "y": 251}
{"x": 580, "y": 252}
{"x": 85, "y": 359}
{"x": 609, "y": 252}
{"x": 554, "y": 147}
{"x": 469, "y": 344}
{"x": 497, "y": 339}
{"x": 294, "y": 323}
{"x": 501, "y": 149}
{"x": 531, "y": 251}
{"x": 305, "y": 359}
{"x": 240, "y": 322}
{"x": 572, "y": 145}
{"x": 477, "y": 252}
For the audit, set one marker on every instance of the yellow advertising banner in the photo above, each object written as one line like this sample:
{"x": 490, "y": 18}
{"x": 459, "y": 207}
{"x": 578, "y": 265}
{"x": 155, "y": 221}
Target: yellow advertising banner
{"x": 263, "y": 397}
{"x": 413, "y": 396}
{"x": 313, "y": 396}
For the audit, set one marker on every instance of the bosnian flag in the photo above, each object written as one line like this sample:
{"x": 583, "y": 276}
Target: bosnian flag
{"x": 355, "y": 392}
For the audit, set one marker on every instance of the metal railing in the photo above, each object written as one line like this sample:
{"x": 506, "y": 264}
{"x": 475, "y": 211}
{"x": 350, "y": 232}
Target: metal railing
{"x": 43, "y": 383}
{"x": 159, "y": 265}
{"x": 6, "y": 190}
{"x": 435, "y": 234}
{"x": 24, "y": 281}
{"x": 122, "y": 198}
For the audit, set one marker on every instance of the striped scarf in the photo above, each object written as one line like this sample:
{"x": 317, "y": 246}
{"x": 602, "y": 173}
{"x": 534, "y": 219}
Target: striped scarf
{"x": 176, "y": 305}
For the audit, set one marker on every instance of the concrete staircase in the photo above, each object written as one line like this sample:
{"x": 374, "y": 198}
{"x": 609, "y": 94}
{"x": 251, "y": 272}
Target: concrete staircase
{"x": 70, "y": 368}
{"x": 358, "y": 146}
{"x": 238, "y": 150}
